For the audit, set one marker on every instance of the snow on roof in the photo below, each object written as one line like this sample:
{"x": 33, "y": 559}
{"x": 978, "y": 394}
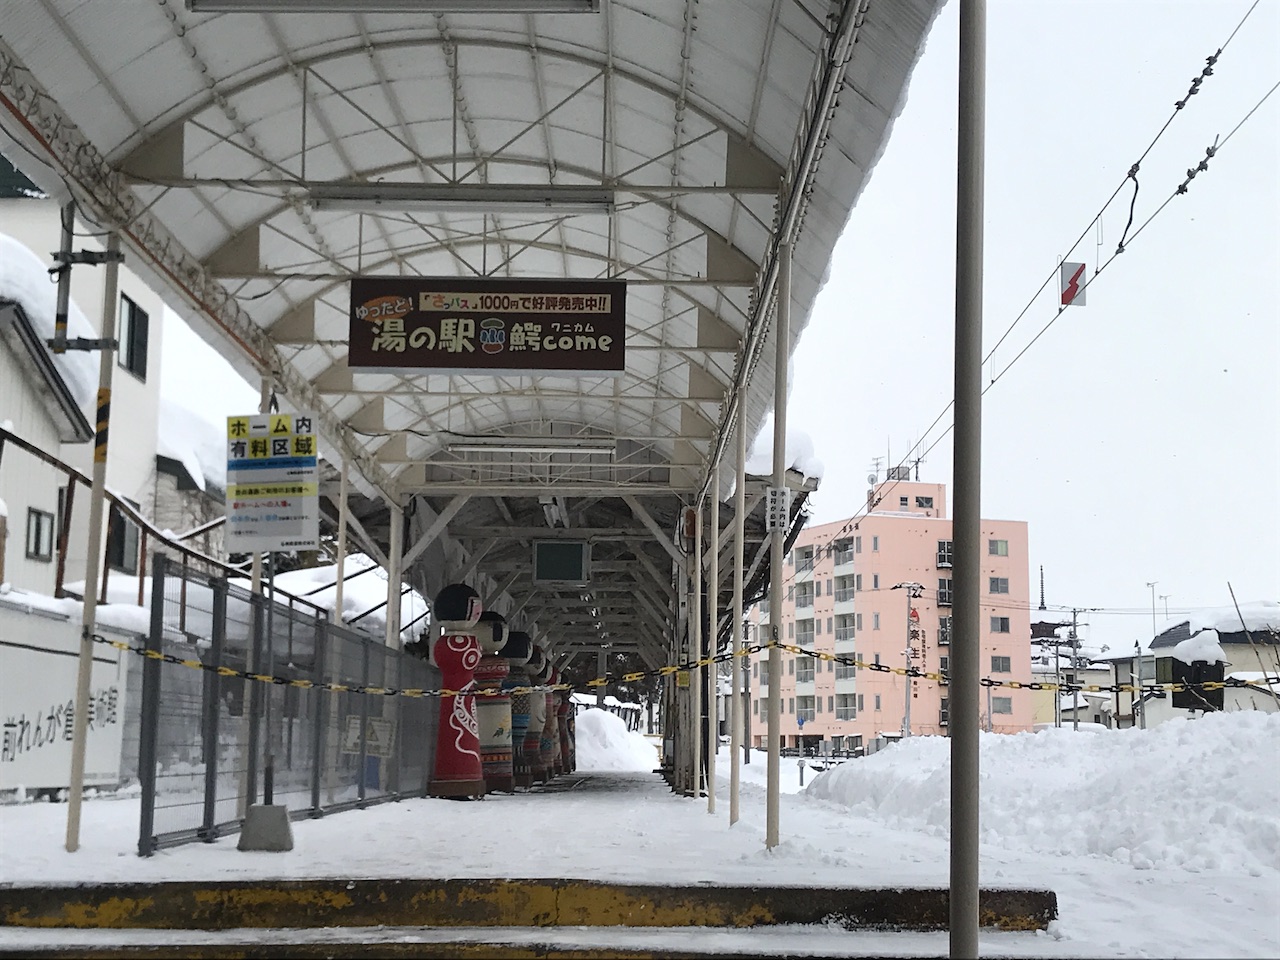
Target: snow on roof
{"x": 1259, "y": 616}
{"x": 195, "y": 441}
{"x": 1202, "y": 647}
{"x": 24, "y": 278}
{"x": 799, "y": 452}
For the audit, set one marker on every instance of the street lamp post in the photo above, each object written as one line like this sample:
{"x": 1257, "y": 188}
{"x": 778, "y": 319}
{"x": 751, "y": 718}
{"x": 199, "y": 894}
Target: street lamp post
{"x": 914, "y": 591}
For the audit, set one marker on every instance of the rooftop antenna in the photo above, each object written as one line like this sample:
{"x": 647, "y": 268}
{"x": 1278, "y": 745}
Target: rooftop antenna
{"x": 1042, "y": 586}
{"x": 875, "y": 466}
{"x": 916, "y": 463}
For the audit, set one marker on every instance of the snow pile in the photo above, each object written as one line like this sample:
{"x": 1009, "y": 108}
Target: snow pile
{"x": 1192, "y": 794}
{"x": 24, "y": 278}
{"x": 194, "y": 441}
{"x": 799, "y": 452}
{"x": 1201, "y": 648}
{"x": 605, "y": 743}
{"x": 1259, "y": 616}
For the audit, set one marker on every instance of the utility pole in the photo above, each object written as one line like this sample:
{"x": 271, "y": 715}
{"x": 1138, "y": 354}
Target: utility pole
{"x": 1137, "y": 698}
{"x": 1075, "y": 673}
{"x": 1165, "y": 597}
{"x": 914, "y": 591}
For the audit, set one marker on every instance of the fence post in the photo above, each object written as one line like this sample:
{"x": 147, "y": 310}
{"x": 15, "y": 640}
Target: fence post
{"x": 254, "y": 695}
{"x": 398, "y": 706}
{"x": 150, "y": 716}
{"x": 364, "y": 719}
{"x": 320, "y": 719}
{"x": 212, "y": 711}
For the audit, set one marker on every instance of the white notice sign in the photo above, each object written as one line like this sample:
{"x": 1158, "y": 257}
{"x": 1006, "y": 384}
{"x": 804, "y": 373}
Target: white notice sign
{"x": 272, "y": 483}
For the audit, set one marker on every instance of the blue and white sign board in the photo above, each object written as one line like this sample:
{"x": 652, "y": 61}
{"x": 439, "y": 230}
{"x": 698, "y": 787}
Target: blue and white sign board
{"x": 272, "y": 483}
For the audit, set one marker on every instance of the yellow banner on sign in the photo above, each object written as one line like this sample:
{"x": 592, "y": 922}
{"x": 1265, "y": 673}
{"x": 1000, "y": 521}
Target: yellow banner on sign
{"x": 253, "y": 491}
{"x": 237, "y": 428}
{"x": 281, "y": 424}
{"x": 682, "y": 679}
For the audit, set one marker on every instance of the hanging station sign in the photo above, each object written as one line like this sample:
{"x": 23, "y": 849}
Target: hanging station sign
{"x": 488, "y": 325}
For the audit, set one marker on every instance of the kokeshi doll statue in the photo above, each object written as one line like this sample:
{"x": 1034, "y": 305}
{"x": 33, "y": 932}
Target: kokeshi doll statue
{"x": 550, "y": 744}
{"x": 493, "y": 710}
{"x": 519, "y": 647}
{"x": 535, "y": 767}
{"x": 458, "y": 771}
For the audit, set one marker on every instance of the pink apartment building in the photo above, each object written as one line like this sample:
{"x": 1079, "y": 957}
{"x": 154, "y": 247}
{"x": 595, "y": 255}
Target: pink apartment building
{"x": 840, "y": 599}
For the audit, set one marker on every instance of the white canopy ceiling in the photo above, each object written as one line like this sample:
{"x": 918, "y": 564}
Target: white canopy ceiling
{"x": 717, "y": 129}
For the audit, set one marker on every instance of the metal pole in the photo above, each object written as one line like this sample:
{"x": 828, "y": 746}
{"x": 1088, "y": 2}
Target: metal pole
{"x": 967, "y": 471}
{"x": 782, "y": 347}
{"x": 394, "y": 553}
{"x": 149, "y": 718}
{"x": 211, "y": 706}
{"x": 695, "y": 652}
{"x": 1075, "y": 674}
{"x": 602, "y": 667}
{"x": 338, "y": 592}
{"x": 268, "y": 738}
{"x": 59, "y": 344}
{"x": 713, "y": 616}
{"x": 737, "y": 673}
{"x": 97, "y": 501}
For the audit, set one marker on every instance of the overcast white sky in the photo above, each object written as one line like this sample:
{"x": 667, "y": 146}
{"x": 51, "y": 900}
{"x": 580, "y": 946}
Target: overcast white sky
{"x": 1139, "y": 436}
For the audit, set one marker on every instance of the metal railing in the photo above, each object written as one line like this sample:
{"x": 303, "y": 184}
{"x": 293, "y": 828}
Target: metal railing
{"x": 212, "y": 743}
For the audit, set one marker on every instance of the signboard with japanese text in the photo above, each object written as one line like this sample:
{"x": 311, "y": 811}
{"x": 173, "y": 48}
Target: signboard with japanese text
{"x": 38, "y": 691}
{"x": 484, "y": 324}
{"x": 272, "y": 483}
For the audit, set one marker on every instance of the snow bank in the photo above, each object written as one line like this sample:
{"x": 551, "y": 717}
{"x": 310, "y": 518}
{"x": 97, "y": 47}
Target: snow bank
{"x": 1258, "y": 615}
{"x": 605, "y": 743}
{"x": 195, "y": 441}
{"x": 1202, "y": 648}
{"x": 1194, "y": 794}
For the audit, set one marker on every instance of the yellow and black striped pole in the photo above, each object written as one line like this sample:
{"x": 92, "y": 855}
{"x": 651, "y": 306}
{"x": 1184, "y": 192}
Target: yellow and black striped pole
{"x": 93, "y": 559}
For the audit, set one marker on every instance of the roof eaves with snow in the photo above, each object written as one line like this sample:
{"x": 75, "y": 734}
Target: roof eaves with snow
{"x": 17, "y": 330}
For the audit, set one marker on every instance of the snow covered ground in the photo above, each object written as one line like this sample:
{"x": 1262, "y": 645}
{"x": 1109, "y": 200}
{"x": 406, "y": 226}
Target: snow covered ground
{"x": 1159, "y": 843}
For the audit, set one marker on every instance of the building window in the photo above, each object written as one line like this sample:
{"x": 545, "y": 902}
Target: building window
{"x": 846, "y": 706}
{"x": 828, "y": 624}
{"x": 791, "y": 593}
{"x": 944, "y": 592}
{"x": 1002, "y": 704}
{"x": 998, "y": 585}
{"x": 843, "y": 551}
{"x": 755, "y": 707}
{"x": 875, "y": 621}
{"x": 39, "y": 535}
{"x": 791, "y": 704}
{"x": 805, "y": 709}
{"x": 764, "y": 607}
{"x": 830, "y": 704}
{"x": 845, "y": 587}
{"x": 828, "y": 586}
{"x": 817, "y": 626}
{"x": 875, "y": 544}
{"x": 945, "y": 552}
{"x": 803, "y": 594}
{"x": 804, "y": 632}
{"x": 998, "y": 548}
{"x": 844, "y": 627}
{"x": 846, "y": 671}
{"x": 817, "y": 704}
{"x": 924, "y": 503}
{"x": 830, "y": 665}
{"x": 944, "y": 712}
{"x": 857, "y": 622}
{"x": 944, "y": 631}
{"x": 859, "y": 701}
{"x": 944, "y": 664}
{"x": 755, "y": 670}
{"x": 857, "y": 582}
{"x": 857, "y": 544}
{"x": 122, "y": 542}
{"x": 1001, "y": 665}
{"x": 804, "y": 670}
{"x": 791, "y": 667}
{"x": 902, "y": 503}
{"x": 764, "y": 673}
{"x": 875, "y": 581}
{"x": 817, "y": 588}
{"x": 999, "y": 624}
{"x": 134, "y": 325}
{"x": 877, "y": 701}
{"x": 876, "y": 659}
{"x": 804, "y": 559}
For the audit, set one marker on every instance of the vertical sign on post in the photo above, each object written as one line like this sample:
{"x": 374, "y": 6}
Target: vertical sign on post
{"x": 272, "y": 483}
{"x": 777, "y": 508}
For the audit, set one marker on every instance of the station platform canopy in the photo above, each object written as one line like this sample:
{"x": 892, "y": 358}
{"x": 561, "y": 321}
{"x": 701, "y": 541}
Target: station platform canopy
{"x": 263, "y": 158}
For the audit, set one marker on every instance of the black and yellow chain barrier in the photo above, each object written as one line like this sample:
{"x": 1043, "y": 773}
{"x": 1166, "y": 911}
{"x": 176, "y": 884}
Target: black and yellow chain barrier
{"x": 676, "y": 669}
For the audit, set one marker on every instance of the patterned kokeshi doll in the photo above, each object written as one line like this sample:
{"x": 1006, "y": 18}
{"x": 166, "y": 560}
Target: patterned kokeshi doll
{"x": 550, "y": 743}
{"x": 493, "y": 710}
{"x": 517, "y": 651}
{"x": 536, "y": 668}
{"x": 458, "y": 771}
